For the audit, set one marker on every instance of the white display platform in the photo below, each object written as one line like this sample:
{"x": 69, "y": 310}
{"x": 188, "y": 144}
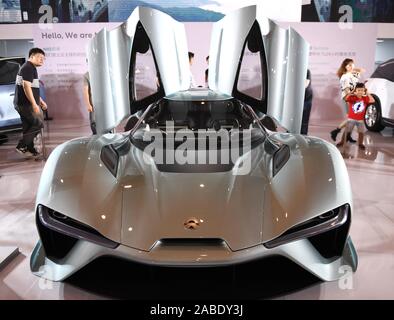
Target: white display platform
{"x": 7, "y": 254}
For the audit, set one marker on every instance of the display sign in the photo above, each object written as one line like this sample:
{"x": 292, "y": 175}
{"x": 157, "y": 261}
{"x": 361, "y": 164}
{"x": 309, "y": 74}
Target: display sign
{"x": 206, "y": 10}
{"x": 77, "y": 11}
{"x": 10, "y": 11}
{"x": 62, "y": 73}
{"x": 52, "y": 11}
{"x": 65, "y": 45}
{"x": 348, "y": 10}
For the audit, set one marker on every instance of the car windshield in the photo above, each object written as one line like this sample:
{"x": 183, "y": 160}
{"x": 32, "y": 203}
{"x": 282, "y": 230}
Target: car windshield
{"x": 194, "y": 116}
{"x": 385, "y": 71}
{"x": 8, "y": 71}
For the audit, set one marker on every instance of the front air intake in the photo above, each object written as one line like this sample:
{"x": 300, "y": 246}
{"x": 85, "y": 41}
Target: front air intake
{"x": 336, "y": 221}
{"x": 189, "y": 242}
{"x": 60, "y": 233}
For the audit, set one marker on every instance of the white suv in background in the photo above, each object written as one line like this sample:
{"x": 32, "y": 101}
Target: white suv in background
{"x": 9, "y": 117}
{"x": 381, "y": 85}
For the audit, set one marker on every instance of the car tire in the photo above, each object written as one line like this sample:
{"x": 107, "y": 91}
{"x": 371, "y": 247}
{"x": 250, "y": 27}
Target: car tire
{"x": 373, "y": 116}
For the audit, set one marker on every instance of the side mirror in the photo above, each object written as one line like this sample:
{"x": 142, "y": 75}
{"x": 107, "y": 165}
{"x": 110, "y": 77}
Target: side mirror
{"x": 269, "y": 123}
{"x": 131, "y": 122}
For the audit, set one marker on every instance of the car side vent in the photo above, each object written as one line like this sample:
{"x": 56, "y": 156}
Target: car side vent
{"x": 109, "y": 156}
{"x": 280, "y": 158}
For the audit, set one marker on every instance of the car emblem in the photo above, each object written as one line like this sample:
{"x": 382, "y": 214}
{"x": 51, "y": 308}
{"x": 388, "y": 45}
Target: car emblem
{"x": 192, "y": 223}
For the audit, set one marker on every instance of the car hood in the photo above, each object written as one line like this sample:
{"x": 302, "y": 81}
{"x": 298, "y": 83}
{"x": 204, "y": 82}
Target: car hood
{"x": 156, "y": 205}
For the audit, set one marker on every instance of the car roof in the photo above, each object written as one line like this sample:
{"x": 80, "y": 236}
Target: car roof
{"x": 198, "y": 94}
{"x": 385, "y": 70}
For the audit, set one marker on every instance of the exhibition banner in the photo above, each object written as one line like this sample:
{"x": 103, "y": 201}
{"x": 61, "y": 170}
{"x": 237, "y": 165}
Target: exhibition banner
{"x": 206, "y": 10}
{"x": 62, "y": 73}
{"x": 81, "y": 11}
{"x": 65, "y": 43}
{"x": 65, "y": 47}
{"x": 348, "y": 10}
{"x": 77, "y": 11}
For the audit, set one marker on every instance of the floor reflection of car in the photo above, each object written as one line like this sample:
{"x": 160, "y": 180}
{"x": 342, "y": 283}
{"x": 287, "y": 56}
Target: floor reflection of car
{"x": 9, "y": 67}
{"x": 381, "y": 84}
{"x": 379, "y": 149}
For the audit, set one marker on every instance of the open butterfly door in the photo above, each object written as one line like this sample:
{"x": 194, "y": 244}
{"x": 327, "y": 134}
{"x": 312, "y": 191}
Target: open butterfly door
{"x": 134, "y": 65}
{"x": 258, "y": 62}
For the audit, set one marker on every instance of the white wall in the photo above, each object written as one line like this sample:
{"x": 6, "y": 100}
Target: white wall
{"x": 384, "y": 50}
{"x": 386, "y": 30}
{"x": 16, "y": 31}
{"x": 13, "y": 48}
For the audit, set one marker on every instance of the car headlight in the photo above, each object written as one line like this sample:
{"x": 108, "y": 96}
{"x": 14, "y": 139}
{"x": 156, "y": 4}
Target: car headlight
{"x": 67, "y": 226}
{"x": 325, "y": 222}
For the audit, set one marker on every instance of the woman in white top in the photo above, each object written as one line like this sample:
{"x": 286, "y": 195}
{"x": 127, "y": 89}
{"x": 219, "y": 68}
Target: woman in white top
{"x": 348, "y": 76}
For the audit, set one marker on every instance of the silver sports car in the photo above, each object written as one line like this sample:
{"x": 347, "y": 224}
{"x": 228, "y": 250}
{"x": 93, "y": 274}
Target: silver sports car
{"x": 204, "y": 176}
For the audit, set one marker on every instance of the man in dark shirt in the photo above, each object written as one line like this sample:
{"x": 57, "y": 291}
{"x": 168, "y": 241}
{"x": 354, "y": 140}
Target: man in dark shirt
{"x": 27, "y": 101}
{"x": 87, "y": 95}
{"x": 207, "y": 71}
{"x": 307, "y": 103}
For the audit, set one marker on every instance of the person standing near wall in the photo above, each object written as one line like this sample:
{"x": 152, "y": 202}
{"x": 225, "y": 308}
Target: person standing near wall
{"x": 191, "y": 60}
{"x": 207, "y": 72}
{"x": 87, "y": 96}
{"x": 27, "y": 101}
{"x": 348, "y": 76}
{"x": 307, "y": 103}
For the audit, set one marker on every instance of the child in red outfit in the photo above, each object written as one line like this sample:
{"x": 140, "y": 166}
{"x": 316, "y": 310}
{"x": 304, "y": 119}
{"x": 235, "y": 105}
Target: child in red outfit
{"x": 357, "y": 105}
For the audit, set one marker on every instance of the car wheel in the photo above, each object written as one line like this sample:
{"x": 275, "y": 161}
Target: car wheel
{"x": 373, "y": 116}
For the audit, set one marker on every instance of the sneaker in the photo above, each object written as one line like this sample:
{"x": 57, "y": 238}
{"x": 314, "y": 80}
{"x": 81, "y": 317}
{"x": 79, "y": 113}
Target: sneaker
{"x": 32, "y": 153}
{"x": 334, "y": 133}
{"x": 21, "y": 150}
{"x": 350, "y": 139}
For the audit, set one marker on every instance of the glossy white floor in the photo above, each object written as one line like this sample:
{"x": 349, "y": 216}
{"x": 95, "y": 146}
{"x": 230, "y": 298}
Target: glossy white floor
{"x": 372, "y": 230}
